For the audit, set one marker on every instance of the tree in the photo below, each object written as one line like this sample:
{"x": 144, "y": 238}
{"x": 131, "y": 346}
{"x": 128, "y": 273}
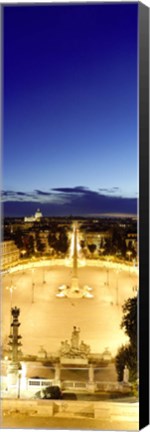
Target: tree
{"x": 29, "y": 245}
{"x": 108, "y": 246}
{"x": 59, "y": 242}
{"x": 118, "y": 241}
{"x": 129, "y": 320}
{"x": 62, "y": 243}
{"x": 18, "y": 239}
{"x": 39, "y": 245}
{"x": 52, "y": 240}
{"x": 127, "y": 355}
{"x": 92, "y": 248}
{"x": 82, "y": 243}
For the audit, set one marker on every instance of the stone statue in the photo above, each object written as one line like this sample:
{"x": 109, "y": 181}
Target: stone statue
{"x": 42, "y": 352}
{"x": 66, "y": 346}
{"x": 84, "y": 348}
{"x": 126, "y": 375}
{"x": 75, "y": 338}
{"x": 74, "y": 350}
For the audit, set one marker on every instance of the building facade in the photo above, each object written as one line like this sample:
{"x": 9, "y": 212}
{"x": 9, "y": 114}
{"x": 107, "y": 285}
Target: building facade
{"x": 9, "y": 254}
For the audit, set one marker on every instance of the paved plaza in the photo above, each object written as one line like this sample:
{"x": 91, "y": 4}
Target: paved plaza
{"x": 47, "y": 320}
{"x": 80, "y": 423}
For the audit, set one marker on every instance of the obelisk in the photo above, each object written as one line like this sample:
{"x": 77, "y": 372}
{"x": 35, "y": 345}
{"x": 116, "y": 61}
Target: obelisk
{"x": 74, "y": 290}
{"x": 74, "y": 287}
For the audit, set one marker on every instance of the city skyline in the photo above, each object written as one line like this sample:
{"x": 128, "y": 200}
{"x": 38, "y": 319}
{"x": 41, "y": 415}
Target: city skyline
{"x": 70, "y": 140}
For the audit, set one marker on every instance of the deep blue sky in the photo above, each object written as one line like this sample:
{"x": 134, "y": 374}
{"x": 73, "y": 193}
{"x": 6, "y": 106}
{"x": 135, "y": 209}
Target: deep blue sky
{"x": 70, "y": 108}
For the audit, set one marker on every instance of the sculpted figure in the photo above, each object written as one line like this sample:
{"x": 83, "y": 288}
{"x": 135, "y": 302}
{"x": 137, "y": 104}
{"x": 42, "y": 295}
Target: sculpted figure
{"x": 84, "y": 348}
{"x": 126, "y": 375}
{"x": 66, "y": 346}
{"x": 75, "y": 338}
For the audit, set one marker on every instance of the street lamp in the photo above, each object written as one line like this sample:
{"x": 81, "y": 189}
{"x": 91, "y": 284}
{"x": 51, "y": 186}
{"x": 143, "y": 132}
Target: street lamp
{"x": 107, "y": 277}
{"x": 33, "y": 284}
{"x": 129, "y": 253}
{"x": 44, "y": 281}
{"x": 19, "y": 380}
{"x": 107, "y": 273}
{"x": 117, "y": 288}
{"x": 23, "y": 253}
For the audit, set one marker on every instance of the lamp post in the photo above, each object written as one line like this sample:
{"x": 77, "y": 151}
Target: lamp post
{"x": 129, "y": 253}
{"x": 107, "y": 274}
{"x": 107, "y": 277}
{"x": 33, "y": 284}
{"x": 44, "y": 281}
{"x": 19, "y": 380}
{"x": 23, "y": 253}
{"x": 117, "y": 288}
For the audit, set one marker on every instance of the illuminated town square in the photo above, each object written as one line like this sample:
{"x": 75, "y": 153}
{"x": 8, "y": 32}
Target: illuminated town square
{"x": 76, "y": 294}
{"x": 34, "y": 290}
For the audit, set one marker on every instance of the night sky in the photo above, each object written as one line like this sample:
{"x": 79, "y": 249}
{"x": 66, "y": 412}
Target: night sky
{"x": 70, "y": 129}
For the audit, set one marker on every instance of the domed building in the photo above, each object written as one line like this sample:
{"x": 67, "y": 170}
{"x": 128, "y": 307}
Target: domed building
{"x": 38, "y": 215}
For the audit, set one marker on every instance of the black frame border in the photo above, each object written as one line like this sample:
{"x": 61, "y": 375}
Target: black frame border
{"x": 143, "y": 215}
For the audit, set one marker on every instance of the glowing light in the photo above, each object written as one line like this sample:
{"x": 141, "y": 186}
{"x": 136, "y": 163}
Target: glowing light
{"x": 88, "y": 295}
{"x": 88, "y": 288}
{"x": 61, "y": 294}
{"x": 11, "y": 289}
{"x": 62, "y": 287}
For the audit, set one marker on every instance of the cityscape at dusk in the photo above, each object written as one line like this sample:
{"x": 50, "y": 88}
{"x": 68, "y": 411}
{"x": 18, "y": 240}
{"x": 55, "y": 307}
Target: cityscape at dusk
{"x": 70, "y": 262}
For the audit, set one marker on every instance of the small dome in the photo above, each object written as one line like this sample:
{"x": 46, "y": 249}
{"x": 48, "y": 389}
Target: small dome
{"x": 38, "y": 214}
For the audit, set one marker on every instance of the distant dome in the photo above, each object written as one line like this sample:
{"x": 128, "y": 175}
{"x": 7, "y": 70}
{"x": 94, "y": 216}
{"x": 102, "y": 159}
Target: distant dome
{"x": 38, "y": 214}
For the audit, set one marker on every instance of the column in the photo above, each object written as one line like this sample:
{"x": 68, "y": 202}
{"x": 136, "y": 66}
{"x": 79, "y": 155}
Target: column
{"x": 91, "y": 373}
{"x": 91, "y": 379}
{"x": 57, "y": 374}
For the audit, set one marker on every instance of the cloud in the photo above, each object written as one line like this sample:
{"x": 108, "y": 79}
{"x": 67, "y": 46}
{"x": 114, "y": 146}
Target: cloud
{"x": 63, "y": 201}
{"x": 14, "y": 195}
{"x": 112, "y": 190}
{"x": 36, "y": 195}
{"x": 39, "y": 192}
{"x": 76, "y": 190}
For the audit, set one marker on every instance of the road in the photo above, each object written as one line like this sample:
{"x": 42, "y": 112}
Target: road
{"x": 22, "y": 421}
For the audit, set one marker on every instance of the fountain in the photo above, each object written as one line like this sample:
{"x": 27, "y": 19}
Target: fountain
{"x": 74, "y": 352}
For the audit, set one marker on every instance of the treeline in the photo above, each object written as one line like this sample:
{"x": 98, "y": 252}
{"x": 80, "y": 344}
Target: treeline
{"x": 113, "y": 244}
{"x": 41, "y": 242}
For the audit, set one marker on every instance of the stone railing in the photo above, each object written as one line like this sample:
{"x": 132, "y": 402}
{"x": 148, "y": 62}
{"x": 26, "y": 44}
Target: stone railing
{"x": 40, "y": 383}
{"x": 70, "y": 385}
{"x": 112, "y": 386}
{"x": 29, "y": 386}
